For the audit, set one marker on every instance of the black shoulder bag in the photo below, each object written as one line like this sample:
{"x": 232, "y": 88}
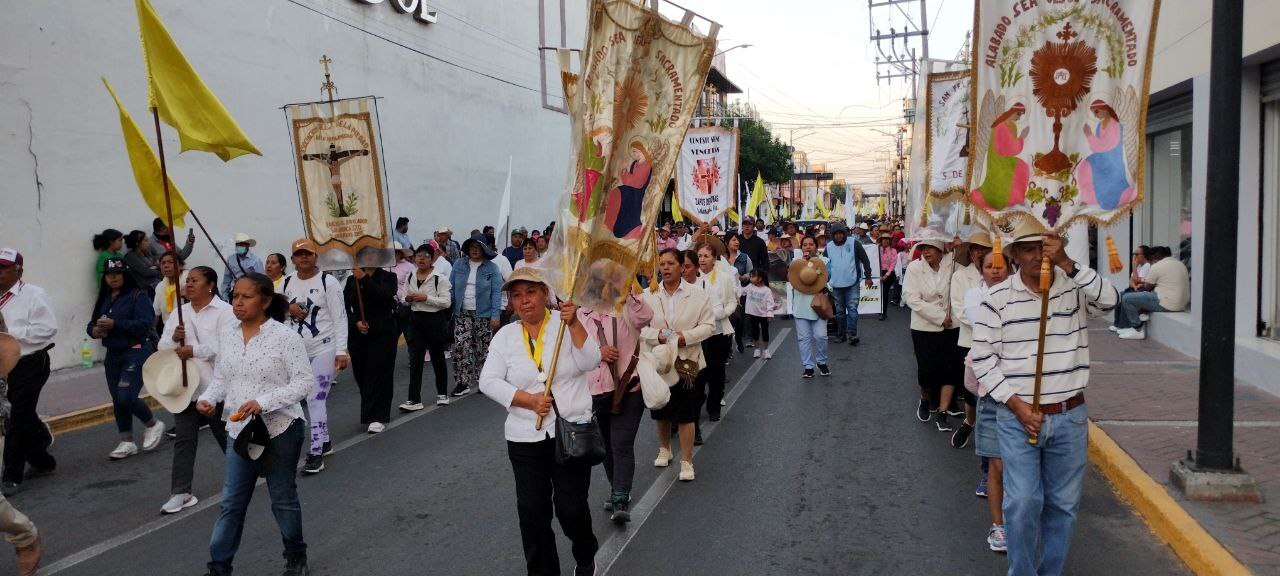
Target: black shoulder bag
{"x": 577, "y": 444}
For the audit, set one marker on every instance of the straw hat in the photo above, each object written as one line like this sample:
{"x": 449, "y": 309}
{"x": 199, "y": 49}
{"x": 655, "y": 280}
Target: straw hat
{"x": 935, "y": 242}
{"x": 525, "y": 274}
{"x": 807, "y": 275}
{"x": 976, "y": 239}
{"x": 717, "y": 245}
{"x": 162, "y": 376}
{"x": 1025, "y": 231}
{"x": 10, "y": 353}
{"x": 242, "y": 238}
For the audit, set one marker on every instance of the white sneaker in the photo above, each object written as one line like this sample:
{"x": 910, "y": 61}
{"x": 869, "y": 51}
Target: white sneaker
{"x": 152, "y": 437}
{"x": 664, "y": 458}
{"x": 755, "y": 354}
{"x": 411, "y": 407}
{"x": 442, "y": 400}
{"x": 376, "y": 427}
{"x": 1113, "y": 328}
{"x": 767, "y": 354}
{"x": 124, "y": 450}
{"x": 177, "y": 503}
{"x": 1131, "y": 334}
{"x": 723, "y": 403}
{"x": 686, "y": 471}
{"x": 1144, "y": 316}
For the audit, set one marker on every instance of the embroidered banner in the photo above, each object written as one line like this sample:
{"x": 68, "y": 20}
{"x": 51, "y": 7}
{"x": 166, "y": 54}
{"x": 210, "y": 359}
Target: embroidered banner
{"x": 629, "y": 109}
{"x": 344, "y": 206}
{"x": 947, "y": 137}
{"x": 1059, "y": 108}
{"x": 705, "y": 172}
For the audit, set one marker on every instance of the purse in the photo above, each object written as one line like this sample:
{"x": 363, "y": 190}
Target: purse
{"x": 822, "y": 305}
{"x": 578, "y": 443}
{"x": 688, "y": 371}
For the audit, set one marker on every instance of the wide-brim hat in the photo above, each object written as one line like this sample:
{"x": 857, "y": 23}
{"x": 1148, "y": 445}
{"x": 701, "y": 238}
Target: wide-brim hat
{"x": 242, "y": 238}
{"x": 162, "y": 376}
{"x": 975, "y": 239}
{"x": 807, "y": 275}
{"x": 525, "y": 274}
{"x": 935, "y": 242}
{"x": 253, "y": 439}
{"x": 1026, "y": 231}
{"x": 484, "y": 246}
{"x": 711, "y": 240}
{"x": 10, "y": 353}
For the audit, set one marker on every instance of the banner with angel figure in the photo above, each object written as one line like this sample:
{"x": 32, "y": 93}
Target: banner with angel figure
{"x": 640, "y": 76}
{"x": 947, "y": 135}
{"x": 1059, "y": 109}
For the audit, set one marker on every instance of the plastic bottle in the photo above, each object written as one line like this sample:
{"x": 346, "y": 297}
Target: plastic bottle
{"x": 86, "y": 354}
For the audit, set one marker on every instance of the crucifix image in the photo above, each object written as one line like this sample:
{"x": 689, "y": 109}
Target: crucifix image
{"x": 335, "y": 158}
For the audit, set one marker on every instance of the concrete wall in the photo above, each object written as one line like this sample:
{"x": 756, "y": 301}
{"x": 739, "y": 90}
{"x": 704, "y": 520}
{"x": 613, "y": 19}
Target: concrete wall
{"x": 1183, "y": 37}
{"x": 447, "y": 132}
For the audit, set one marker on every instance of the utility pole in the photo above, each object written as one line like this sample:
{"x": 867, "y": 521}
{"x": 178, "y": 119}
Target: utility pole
{"x": 895, "y": 64}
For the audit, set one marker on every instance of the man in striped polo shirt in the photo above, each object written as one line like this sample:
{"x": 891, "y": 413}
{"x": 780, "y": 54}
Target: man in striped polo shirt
{"x": 1042, "y": 482}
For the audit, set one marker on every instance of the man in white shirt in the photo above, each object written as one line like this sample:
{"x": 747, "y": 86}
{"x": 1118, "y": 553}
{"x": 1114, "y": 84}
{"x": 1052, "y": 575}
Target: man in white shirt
{"x": 1165, "y": 288}
{"x": 684, "y": 241}
{"x": 1042, "y": 481}
{"x": 318, "y": 312}
{"x": 28, "y": 315}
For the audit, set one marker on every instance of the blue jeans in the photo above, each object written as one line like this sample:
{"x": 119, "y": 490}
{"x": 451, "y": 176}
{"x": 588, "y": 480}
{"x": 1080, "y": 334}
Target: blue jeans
{"x": 1042, "y": 486}
{"x": 845, "y": 301}
{"x": 1134, "y": 303}
{"x": 812, "y": 336}
{"x": 279, "y": 466}
{"x": 123, "y": 369}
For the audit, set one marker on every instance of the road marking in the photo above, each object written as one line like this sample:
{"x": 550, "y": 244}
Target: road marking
{"x": 1185, "y": 423}
{"x": 612, "y": 549}
{"x": 169, "y": 520}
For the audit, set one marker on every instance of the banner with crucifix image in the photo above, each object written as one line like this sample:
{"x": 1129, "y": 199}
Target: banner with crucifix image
{"x": 1058, "y": 105}
{"x": 705, "y": 172}
{"x": 344, "y": 205}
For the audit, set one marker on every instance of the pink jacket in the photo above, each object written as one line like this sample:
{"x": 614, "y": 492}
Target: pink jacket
{"x": 636, "y": 314}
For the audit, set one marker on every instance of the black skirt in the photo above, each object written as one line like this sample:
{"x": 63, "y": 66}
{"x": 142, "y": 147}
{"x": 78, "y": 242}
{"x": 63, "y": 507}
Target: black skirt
{"x": 685, "y": 404}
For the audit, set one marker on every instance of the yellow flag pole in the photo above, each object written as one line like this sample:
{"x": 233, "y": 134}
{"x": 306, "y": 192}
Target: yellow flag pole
{"x": 555, "y": 353}
{"x": 168, "y": 209}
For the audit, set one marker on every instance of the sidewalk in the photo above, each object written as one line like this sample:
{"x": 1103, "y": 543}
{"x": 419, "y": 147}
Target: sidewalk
{"x": 76, "y": 398}
{"x": 1144, "y": 396}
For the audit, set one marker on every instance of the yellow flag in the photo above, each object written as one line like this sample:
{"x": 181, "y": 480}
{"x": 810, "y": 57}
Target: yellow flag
{"x": 182, "y": 97}
{"x": 146, "y": 168}
{"x": 676, "y": 214}
{"x": 733, "y": 215}
{"x": 757, "y": 196}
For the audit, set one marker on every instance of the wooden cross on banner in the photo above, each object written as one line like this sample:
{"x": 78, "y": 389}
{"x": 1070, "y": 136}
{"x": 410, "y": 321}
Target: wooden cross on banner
{"x": 328, "y": 85}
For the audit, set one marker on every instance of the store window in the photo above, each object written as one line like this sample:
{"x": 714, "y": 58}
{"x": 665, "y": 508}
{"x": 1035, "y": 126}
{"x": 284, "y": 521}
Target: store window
{"x": 1269, "y": 295}
{"x": 1168, "y": 205}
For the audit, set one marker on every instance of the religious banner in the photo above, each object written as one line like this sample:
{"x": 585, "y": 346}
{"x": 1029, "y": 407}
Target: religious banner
{"x": 1059, "y": 109}
{"x": 344, "y": 205}
{"x": 870, "y": 300}
{"x": 705, "y": 172}
{"x": 947, "y": 136}
{"x": 629, "y": 108}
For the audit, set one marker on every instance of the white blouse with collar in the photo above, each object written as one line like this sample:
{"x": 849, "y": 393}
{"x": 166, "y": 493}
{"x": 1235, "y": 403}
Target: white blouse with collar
{"x": 271, "y": 368}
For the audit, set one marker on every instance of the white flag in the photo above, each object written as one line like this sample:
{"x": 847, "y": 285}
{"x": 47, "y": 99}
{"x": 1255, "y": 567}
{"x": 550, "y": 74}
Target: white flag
{"x": 504, "y": 208}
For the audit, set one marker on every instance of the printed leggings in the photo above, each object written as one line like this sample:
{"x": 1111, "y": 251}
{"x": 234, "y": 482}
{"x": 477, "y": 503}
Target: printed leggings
{"x": 322, "y": 368}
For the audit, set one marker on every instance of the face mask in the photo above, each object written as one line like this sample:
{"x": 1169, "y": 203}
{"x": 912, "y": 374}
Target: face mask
{"x": 242, "y": 250}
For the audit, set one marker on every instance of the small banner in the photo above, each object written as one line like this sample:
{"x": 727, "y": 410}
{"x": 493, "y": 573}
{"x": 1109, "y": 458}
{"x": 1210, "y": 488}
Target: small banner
{"x": 629, "y": 109}
{"x": 870, "y": 300}
{"x": 947, "y": 136}
{"x": 1059, "y": 109}
{"x": 705, "y": 172}
{"x": 344, "y": 205}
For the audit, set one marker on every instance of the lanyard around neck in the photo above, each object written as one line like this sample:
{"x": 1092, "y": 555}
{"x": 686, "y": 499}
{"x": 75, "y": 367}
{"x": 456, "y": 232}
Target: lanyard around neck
{"x": 536, "y": 343}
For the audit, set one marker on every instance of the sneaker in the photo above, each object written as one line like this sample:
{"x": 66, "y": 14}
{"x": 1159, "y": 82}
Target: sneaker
{"x": 296, "y": 566}
{"x": 1132, "y": 334}
{"x": 411, "y": 407}
{"x": 713, "y": 417}
{"x": 723, "y": 403}
{"x": 29, "y": 557}
{"x": 461, "y": 390}
{"x": 124, "y": 450}
{"x": 664, "y": 458}
{"x": 442, "y": 400}
{"x": 1143, "y": 317}
{"x": 686, "y": 471}
{"x": 376, "y": 427}
{"x": 854, "y": 340}
{"x": 1113, "y": 328}
{"x": 824, "y": 370}
{"x": 152, "y": 437}
{"x": 177, "y": 503}
{"x": 954, "y": 412}
{"x": 620, "y": 513}
{"x": 981, "y": 490}
{"x": 314, "y": 464}
{"x": 808, "y": 373}
{"x": 751, "y": 344}
{"x": 767, "y": 354}
{"x": 326, "y": 448}
{"x": 755, "y": 354}
{"x": 996, "y": 539}
{"x": 941, "y": 422}
{"x": 922, "y": 410}
{"x": 10, "y": 488}
{"x": 585, "y": 570}
{"x": 960, "y": 438}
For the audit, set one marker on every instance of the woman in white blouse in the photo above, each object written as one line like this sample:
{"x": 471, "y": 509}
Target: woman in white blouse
{"x": 204, "y": 316}
{"x": 720, "y": 281}
{"x": 169, "y": 295}
{"x": 262, "y": 369}
{"x": 925, "y": 289}
{"x": 514, "y": 375}
{"x": 427, "y": 292}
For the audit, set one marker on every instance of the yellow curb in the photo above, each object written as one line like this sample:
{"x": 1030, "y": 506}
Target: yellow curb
{"x": 88, "y": 417}
{"x": 1197, "y": 548}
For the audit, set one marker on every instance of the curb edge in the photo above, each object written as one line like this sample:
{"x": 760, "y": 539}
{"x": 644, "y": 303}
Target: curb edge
{"x": 88, "y": 417}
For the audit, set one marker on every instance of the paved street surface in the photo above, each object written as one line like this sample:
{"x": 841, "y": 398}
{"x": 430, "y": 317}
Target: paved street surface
{"x": 825, "y": 476}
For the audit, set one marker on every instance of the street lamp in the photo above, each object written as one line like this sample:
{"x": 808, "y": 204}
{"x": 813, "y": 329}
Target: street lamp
{"x": 731, "y": 48}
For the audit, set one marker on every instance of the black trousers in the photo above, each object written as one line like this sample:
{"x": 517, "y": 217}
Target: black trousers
{"x": 935, "y": 355}
{"x": 429, "y": 336}
{"x": 740, "y": 323}
{"x": 373, "y": 359}
{"x": 711, "y": 379}
{"x": 27, "y": 440}
{"x": 619, "y": 432}
{"x": 186, "y": 427}
{"x": 544, "y": 489}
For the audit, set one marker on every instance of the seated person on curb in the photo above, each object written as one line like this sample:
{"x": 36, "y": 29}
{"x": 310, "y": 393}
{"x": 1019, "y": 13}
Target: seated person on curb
{"x": 1166, "y": 289}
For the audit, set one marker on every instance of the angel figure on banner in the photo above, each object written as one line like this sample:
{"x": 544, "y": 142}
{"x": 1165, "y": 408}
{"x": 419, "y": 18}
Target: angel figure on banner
{"x": 625, "y": 202}
{"x": 1007, "y": 176}
{"x": 1104, "y": 175}
{"x": 596, "y": 148}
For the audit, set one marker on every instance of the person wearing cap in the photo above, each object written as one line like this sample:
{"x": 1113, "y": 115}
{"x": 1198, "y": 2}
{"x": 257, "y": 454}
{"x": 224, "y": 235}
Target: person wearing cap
{"x": 318, "y": 313}
{"x": 933, "y": 330}
{"x": 373, "y": 340}
{"x": 967, "y": 276}
{"x": 476, "y": 285}
{"x": 27, "y": 312}
{"x": 850, "y": 267}
{"x": 808, "y": 275}
{"x": 1042, "y": 482}
{"x": 261, "y": 376}
{"x": 515, "y": 376}
{"x": 123, "y": 320}
{"x": 428, "y": 295}
{"x": 448, "y": 249}
{"x": 860, "y": 233}
{"x": 18, "y": 529}
{"x": 162, "y": 241}
{"x": 204, "y": 316}
{"x": 401, "y": 233}
{"x": 242, "y": 262}
{"x": 515, "y": 251}
{"x": 684, "y": 240}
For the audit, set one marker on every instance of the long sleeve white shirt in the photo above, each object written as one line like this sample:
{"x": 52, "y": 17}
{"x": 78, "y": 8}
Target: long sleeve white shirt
{"x": 28, "y": 314}
{"x": 272, "y": 368}
{"x": 435, "y": 287}
{"x": 925, "y": 292}
{"x": 962, "y": 281}
{"x": 721, "y": 286}
{"x": 202, "y": 328}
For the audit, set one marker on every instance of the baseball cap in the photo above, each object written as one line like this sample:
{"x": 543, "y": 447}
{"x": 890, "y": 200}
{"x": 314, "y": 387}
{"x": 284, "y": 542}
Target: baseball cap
{"x": 304, "y": 245}
{"x": 10, "y": 257}
{"x": 521, "y": 231}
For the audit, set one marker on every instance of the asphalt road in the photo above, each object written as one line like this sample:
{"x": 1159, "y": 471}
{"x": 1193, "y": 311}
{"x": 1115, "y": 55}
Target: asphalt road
{"x": 824, "y": 476}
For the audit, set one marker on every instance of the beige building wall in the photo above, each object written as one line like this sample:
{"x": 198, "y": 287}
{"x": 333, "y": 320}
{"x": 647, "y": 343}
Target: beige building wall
{"x": 1183, "y": 37}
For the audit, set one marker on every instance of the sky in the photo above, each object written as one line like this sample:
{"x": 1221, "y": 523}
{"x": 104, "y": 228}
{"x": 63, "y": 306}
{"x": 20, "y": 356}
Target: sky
{"x": 811, "y": 63}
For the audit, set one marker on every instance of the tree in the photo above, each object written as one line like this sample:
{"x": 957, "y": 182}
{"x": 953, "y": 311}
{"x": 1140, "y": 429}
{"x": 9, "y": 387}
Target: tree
{"x": 759, "y": 152}
{"x": 838, "y": 192}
